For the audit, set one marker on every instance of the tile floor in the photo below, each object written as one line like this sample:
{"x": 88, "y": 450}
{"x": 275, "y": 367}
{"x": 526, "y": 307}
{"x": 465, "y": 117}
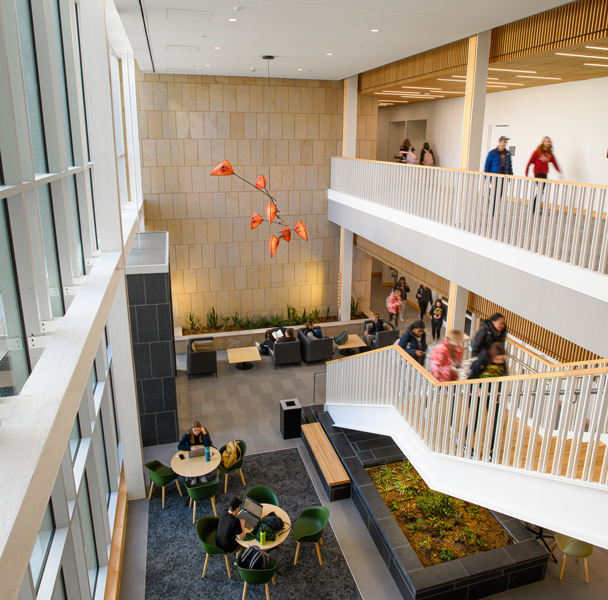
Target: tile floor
{"x": 245, "y": 405}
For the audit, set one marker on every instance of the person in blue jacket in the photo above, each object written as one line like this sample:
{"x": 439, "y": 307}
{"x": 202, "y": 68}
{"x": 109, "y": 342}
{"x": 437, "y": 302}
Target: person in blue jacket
{"x": 413, "y": 341}
{"x": 197, "y": 435}
{"x": 499, "y": 158}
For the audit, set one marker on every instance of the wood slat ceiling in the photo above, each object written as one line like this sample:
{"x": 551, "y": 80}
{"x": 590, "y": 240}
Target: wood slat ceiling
{"x": 538, "y": 44}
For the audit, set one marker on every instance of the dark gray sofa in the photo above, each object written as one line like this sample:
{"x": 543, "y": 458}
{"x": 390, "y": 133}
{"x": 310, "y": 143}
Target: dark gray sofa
{"x": 199, "y": 363}
{"x": 315, "y": 349}
{"x": 285, "y": 353}
{"x": 383, "y": 338}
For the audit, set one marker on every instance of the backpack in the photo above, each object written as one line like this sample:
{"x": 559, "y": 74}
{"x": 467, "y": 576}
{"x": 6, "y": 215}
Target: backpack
{"x": 428, "y": 159}
{"x": 254, "y": 558}
{"x": 341, "y": 338}
{"x": 231, "y": 454}
{"x": 411, "y": 158}
{"x": 273, "y": 521}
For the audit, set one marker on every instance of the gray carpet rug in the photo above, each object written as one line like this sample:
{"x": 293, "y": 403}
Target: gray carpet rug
{"x": 175, "y": 557}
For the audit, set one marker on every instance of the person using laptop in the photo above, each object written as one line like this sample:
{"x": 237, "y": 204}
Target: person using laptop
{"x": 230, "y": 528}
{"x": 197, "y": 435}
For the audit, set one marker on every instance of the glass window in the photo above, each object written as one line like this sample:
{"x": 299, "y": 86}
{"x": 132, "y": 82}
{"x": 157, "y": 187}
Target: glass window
{"x": 63, "y": 85}
{"x": 75, "y": 436}
{"x": 101, "y": 445}
{"x": 112, "y": 403}
{"x": 49, "y": 239}
{"x": 77, "y": 230}
{"x": 93, "y": 378}
{"x": 14, "y": 365}
{"x": 59, "y": 593}
{"x": 1, "y": 171}
{"x": 88, "y": 534}
{"x": 42, "y": 545}
{"x": 32, "y": 88}
{"x": 79, "y": 65}
{"x": 93, "y": 206}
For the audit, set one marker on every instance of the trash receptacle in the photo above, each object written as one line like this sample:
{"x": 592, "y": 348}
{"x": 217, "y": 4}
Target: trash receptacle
{"x": 291, "y": 414}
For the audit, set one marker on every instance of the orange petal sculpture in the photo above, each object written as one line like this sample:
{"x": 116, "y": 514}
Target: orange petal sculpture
{"x": 271, "y": 212}
{"x": 224, "y": 168}
{"x": 286, "y": 233}
{"x": 300, "y": 229}
{"x": 260, "y": 182}
{"x": 273, "y": 244}
{"x": 255, "y": 220}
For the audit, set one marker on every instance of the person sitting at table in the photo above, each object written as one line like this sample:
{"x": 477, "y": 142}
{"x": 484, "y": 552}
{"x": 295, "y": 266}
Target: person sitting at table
{"x": 230, "y": 528}
{"x": 197, "y": 435}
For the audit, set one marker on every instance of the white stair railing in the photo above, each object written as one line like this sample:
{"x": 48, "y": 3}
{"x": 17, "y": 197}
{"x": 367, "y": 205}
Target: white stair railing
{"x": 555, "y": 424}
{"x": 563, "y": 221}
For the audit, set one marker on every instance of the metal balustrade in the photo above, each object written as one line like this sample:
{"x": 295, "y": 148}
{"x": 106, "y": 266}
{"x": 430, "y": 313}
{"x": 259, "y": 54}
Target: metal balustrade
{"x": 563, "y": 221}
{"x": 555, "y": 424}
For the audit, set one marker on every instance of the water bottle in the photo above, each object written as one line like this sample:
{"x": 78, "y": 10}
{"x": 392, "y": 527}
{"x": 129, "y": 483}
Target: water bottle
{"x": 262, "y": 538}
{"x": 207, "y": 453}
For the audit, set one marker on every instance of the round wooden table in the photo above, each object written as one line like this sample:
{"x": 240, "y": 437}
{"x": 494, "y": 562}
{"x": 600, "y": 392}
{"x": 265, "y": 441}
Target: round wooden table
{"x": 195, "y": 467}
{"x": 281, "y": 537}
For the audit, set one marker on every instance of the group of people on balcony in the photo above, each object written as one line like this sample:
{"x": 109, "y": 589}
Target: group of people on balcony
{"x": 499, "y": 159}
{"x": 407, "y": 154}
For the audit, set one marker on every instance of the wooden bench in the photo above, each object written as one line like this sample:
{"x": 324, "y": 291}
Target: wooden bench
{"x": 334, "y": 477}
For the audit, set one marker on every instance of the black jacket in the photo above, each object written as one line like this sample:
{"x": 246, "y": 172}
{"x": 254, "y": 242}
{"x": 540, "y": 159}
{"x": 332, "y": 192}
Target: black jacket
{"x": 375, "y": 327}
{"x": 478, "y": 367}
{"x": 485, "y": 337}
{"x": 202, "y": 439}
{"x": 410, "y": 344}
{"x": 424, "y": 297}
{"x": 404, "y": 289}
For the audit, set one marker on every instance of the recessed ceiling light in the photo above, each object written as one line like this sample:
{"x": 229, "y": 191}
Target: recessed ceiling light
{"x": 596, "y": 48}
{"x": 207, "y": 65}
{"x": 461, "y": 76}
{"x": 512, "y": 70}
{"x": 505, "y": 83}
{"x": 299, "y": 69}
{"x": 329, "y": 54}
{"x": 538, "y": 77}
{"x": 233, "y": 20}
{"x": 449, "y": 92}
{"x": 494, "y": 85}
{"x": 582, "y": 55}
{"x": 375, "y": 30}
{"x": 216, "y": 47}
{"x": 494, "y": 78}
{"x": 594, "y": 65}
{"x": 452, "y": 80}
{"x": 413, "y": 87}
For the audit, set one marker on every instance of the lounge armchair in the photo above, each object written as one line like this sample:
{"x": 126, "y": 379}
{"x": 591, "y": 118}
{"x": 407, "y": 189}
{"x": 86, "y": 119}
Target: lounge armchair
{"x": 285, "y": 353}
{"x": 383, "y": 338}
{"x": 201, "y": 358}
{"x": 316, "y": 348}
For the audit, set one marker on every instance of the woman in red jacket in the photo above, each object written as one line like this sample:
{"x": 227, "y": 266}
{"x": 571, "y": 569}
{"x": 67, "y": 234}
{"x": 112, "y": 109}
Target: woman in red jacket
{"x": 541, "y": 157}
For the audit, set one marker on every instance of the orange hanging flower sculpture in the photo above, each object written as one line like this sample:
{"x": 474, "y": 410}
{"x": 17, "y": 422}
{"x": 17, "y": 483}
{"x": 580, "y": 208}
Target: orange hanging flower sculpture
{"x": 272, "y": 211}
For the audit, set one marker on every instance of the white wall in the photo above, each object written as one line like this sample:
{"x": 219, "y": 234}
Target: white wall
{"x": 573, "y": 114}
{"x": 443, "y": 128}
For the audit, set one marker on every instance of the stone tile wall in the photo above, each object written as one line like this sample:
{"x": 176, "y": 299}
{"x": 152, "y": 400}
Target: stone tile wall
{"x": 188, "y": 124}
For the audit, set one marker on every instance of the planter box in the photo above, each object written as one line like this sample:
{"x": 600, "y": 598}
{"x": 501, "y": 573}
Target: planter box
{"x": 248, "y": 337}
{"x": 472, "y": 577}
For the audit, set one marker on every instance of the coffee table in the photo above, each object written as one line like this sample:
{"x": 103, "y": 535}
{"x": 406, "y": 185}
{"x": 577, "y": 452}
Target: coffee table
{"x": 281, "y": 537}
{"x": 353, "y": 341}
{"x": 243, "y": 357}
{"x": 195, "y": 467}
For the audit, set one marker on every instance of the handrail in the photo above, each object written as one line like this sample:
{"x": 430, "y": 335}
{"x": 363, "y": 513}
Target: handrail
{"x": 554, "y": 424}
{"x": 564, "y": 226}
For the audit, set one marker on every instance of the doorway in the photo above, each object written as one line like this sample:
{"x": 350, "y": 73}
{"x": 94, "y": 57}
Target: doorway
{"x": 416, "y": 133}
{"x": 396, "y": 135}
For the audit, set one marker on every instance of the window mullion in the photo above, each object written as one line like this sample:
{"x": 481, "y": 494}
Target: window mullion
{"x": 66, "y": 243}
{"x": 85, "y": 206}
{"x": 14, "y": 133}
{"x": 50, "y": 93}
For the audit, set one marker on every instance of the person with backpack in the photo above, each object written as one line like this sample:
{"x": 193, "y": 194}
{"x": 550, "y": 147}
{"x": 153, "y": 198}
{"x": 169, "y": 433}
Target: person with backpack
{"x": 438, "y": 313}
{"x": 230, "y": 528}
{"x": 410, "y": 156}
{"x": 447, "y": 358}
{"x": 413, "y": 341}
{"x": 393, "y": 303}
{"x": 492, "y": 330}
{"x": 427, "y": 158}
{"x": 405, "y": 147}
{"x": 424, "y": 297}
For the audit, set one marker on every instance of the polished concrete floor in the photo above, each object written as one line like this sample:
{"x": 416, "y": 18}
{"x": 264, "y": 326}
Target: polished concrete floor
{"x": 245, "y": 405}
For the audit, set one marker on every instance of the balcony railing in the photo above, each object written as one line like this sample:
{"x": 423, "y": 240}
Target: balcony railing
{"x": 563, "y": 221}
{"x": 554, "y": 424}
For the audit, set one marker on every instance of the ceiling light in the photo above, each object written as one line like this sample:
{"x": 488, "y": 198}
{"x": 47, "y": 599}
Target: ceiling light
{"x": 299, "y": 69}
{"x": 462, "y": 76}
{"x": 494, "y": 85}
{"x": 375, "y": 30}
{"x": 329, "y": 54}
{"x": 493, "y": 78}
{"x": 512, "y": 70}
{"x": 216, "y": 47}
{"x": 594, "y": 65}
{"x": 232, "y": 20}
{"x": 596, "y": 48}
{"x": 505, "y": 83}
{"x": 413, "y": 87}
{"x": 207, "y": 65}
{"x": 538, "y": 77}
{"x": 582, "y": 56}
{"x": 450, "y": 92}
{"x": 451, "y": 80}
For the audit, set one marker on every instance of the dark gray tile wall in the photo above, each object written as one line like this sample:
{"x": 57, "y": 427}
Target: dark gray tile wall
{"x": 151, "y": 315}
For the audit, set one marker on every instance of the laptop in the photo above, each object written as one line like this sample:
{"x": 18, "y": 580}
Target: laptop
{"x": 251, "y": 512}
{"x": 195, "y": 453}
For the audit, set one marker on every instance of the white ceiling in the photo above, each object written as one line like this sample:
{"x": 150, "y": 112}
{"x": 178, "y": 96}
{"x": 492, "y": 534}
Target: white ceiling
{"x": 182, "y": 34}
